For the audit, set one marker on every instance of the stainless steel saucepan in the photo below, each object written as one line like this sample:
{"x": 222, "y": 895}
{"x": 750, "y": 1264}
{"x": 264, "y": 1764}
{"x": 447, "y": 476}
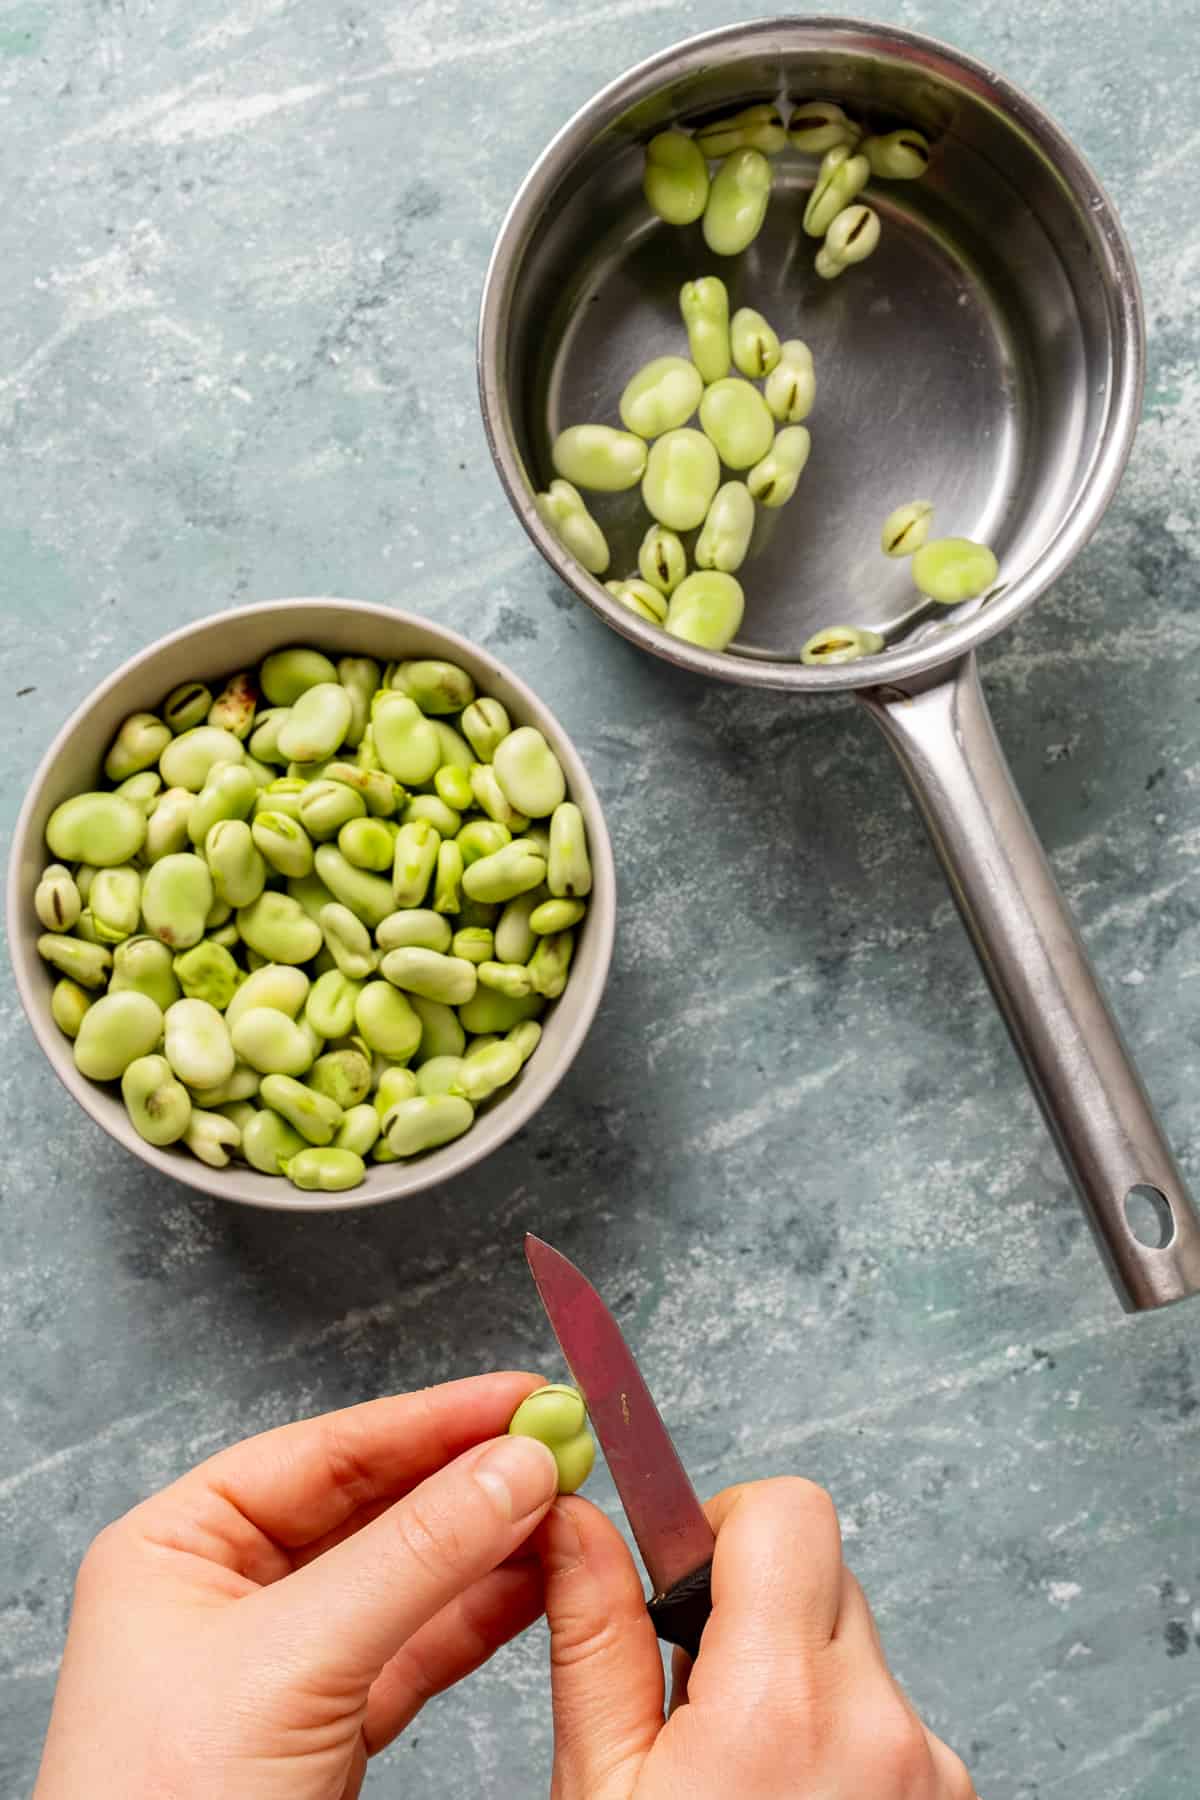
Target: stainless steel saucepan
{"x": 988, "y": 357}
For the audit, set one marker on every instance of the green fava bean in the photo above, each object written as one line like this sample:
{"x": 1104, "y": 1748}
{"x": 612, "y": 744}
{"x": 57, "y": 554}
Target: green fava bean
{"x": 234, "y": 707}
{"x": 263, "y": 777}
{"x": 268, "y": 1140}
{"x": 88, "y": 964}
{"x": 283, "y": 843}
{"x": 755, "y": 346}
{"x": 705, "y": 308}
{"x": 315, "y": 1116}
{"x": 706, "y": 610}
{"x": 661, "y": 396}
{"x": 447, "y": 886}
{"x": 317, "y": 723}
{"x": 238, "y": 870}
{"x": 437, "y": 687}
{"x": 239, "y": 1113}
{"x": 453, "y": 748}
{"x": 482, "y": 837}
{"x": 395, "y": 1085}
{"x": 325, "y": 806}
{"x": 563, "y": 510}
{"x": 85, "y": 929}
{"x": 507, "y": 978}
{"x": 328, "y": 1171}
{"x": 415, "y": 858}
{"x": 840, "y": 644}
{"x": 662, "y": 559}
{"x": 198, "y": 1046}
{"x": 773, "y": 481}
{"x": 274, "y": 984}
{"x": 176, "y": 897}
{"x": 899, "y": 156}
{"x": 485, "y": 1072}
{"x": 420, "y": 926}
{"x": 906, "y": 528}
{"x": 515, "y": 937}
{"x": 951, "y": 570}
{"x": 818, "y": 126}
{"x": 529, "y": 774}
{"x": 446, "y": 820}
{"x": 361, "y": 678}
{"x": 490, "y": 798}
{"x": 475, "y": 944}
{"x": 243, "y": 1084}
{"x": 330, "y": 1005}
{"x": 208, "y": 972}
{"x": 279, "y": 928}
{"x": 287, "y": 674}
{"x": 167, "y": 827}
{"x": 68, "y": 1003}
{"x": 735, "y": 416}
{"x": 264, "y": 739}
{"x": 282, "y": 796}
{"x": 569, "y": 869}
{"x": 737, "y": 202}
{"x": 550, "y": 962}
{"x": 441, "y": 1033}
{"x": 386, "y": 1021}
{"x": 101, "y": 829}
{"x": 675, "y": 178}
{"x": 555, "y": 915}
{"x": 526, "y": 1036}
{"x": 599, "y": 457}
{"x": 509, "y": 872}
{"x": 189, "y": 760}
{"x": 271, "y": 1042}
{"x": 367, "y": 843}
{"x": 137, "y": 746}
{"x": 791, "y": 387}
{"x": 453, "y": 786}
{"x": 342, "y": 1075}
{"x": 143, "y": 965}
{"x": 426, "y": 1122}
{"x": 640, "y": 598}
{"x": 851, "y": 238}
{"x": 429, "y": 973}
{"x": 142, "y": 790}
{"x": 556, "y": 1416}
{"x": 114, "y": 1031}
{"x": 348, "y": 942}
{"x": 158, "y": 1105}
{"x": 57, "y": 901}
{"x": 369, "y": 896}
{"x": 211, "y": 1137}
{"x": 485, "y": 724}
{"x": 359, "y": 1129}
{"x": 440, "y": 1074}
{"x": 186, "y": 706}
{"x": 682, "y": 475}
{"x": 380, "y": 792}
{"x": 755, "y": 128}
{"x": 841, "y": 176}
{"x": 405, "y": 740}
{"x": 491, "y": 1011}
{"x": 728, "y": 528}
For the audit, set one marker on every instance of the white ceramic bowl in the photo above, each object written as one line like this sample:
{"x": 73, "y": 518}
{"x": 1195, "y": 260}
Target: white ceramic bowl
{"x": 216, "y": 647}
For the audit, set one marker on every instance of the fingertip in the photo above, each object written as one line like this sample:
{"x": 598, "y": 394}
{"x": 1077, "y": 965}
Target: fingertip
{"x": 519, "y": 1475}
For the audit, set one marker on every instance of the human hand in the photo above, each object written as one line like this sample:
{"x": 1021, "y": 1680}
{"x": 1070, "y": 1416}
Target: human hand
{"x": 264, "y": 1625}
{"x": 790, "y": 1693}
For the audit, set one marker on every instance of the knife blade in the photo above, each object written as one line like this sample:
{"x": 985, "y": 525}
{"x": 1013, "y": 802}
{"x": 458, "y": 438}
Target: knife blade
{"x": 668, "y": 1523}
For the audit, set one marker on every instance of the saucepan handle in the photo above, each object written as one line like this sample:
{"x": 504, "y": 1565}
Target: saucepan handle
{"x": 1038, "y": 969}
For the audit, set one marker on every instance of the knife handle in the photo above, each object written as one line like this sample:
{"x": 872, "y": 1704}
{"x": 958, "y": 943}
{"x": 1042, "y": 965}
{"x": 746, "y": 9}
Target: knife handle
{"x": 680, "y": 1615}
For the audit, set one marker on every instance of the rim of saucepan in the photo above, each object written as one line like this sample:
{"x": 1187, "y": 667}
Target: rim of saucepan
{"x": 1115, "y": 267}
{"x": 391, "y": 1181}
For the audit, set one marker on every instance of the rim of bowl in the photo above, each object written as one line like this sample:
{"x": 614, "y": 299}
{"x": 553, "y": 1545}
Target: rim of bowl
{"x": 392, "y": 1181}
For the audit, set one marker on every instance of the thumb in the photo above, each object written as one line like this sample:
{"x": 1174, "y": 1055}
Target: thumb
{"x": 348, "y": 1612}
{"x": 605, "y": 1667}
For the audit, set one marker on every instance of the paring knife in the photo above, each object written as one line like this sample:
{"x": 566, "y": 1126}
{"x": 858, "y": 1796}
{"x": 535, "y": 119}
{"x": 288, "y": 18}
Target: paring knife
{"x": 672, "y": 1533}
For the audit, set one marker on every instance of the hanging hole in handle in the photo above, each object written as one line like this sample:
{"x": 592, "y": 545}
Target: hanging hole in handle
{"x": 1149, "y": 1217}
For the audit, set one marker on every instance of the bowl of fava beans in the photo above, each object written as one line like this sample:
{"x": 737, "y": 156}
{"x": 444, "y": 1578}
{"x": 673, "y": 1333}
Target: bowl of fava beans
{"x": 311, "y": 905}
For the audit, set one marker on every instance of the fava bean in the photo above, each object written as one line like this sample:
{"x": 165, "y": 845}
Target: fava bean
{"x": 234, "y": 707}
{"x": 287, "y": 674}
{"x": 138, "y": 745}
{"x": 453, "y": 785}
{"x": 550, "y": 962}
{"x": 395, "y": 1084}
{"x": 682, "y": 475}
{"x": 328, "y": 1171}
{"x": 640, "y": 598}
{"x": 437, "y": 687}
{"x": 283, "y": 843}
{"x": 906, "y": 528}
{"x": 56, "y": 900}
{"x": 114, "y": 1031}
{"x": 556, "y": 1416}
{"x": 419, "y": 926}
{"x": 370, "y": 896}
{"x": 271, "y": 1042}
{"x": 485, "y": 724}
{"x": 490, "y": 1011}
{"x": 705, "y": 308}
{"x": 329, "y": 1007}
{"x": 158, "y": 1105}
{"x": 316, "y": 724}
{"x": 840, "y": 644}
{"x": 899, "y": 156}
{"x": 569, "y": 872}
{"x": 851, "y": 238}
{"x": 68, "y": 1003}
{"x": 706, "y": 610}
{"x": 754, "y": 128}
{"x": 485, "y": 1071}
{"x": 208, "y": 972}
{"x": 211, "y": 1137}
{"x": 275, "y": 984}
{"x": 446, "y": 820}
{"x": 243, "y": 1084}
{"x": 599, "y": 457}
{"x": 176, "y": 896}
{"x": 404, "y": 739}
{"x": 167, "y": 827}
{"x": 239, "y": 872}
{"x": 482, "y": 837}
{"x": 791, "y": 387}
{"x": 737, "y": 202}
{"x": 735, "y": 417}
{"x": 115, "y": 903}
{"x": 515, "y": 938}
{"x": 453, "y": 747}
{"x": 310, "y": 892}
{"x": 342, "y": 1075}
{"x": 840, "y": 178}
{"x": 675, "y": 178}
{"x": 101, "y": 829}
{"x": 142, "y": 790}
{"x": 662, "y": 559}
{"x": 386, "y": 1021}
{"x": 728, "y": 528}
{"x": 88, "y": 964}
{"x": 772, "y": 482}
{"x": 475, "y": 944}
{"x": 509, "y": 872}
{"x": 415, "y": 858}
{"x": 661, "y": 396}
{"x": 555, "y": 915}
{"x": 281, "y": 796}
{"x": 198, "y": 1046}
{"x": 279, "y": 928}
{"x": 315, "y": 1116}
{"x": 491, "y": 799}
{"x": 426, "y": 1122}
{"x": 325, "y": 806}
{"x": 361, "y": 678}
{"x": 440, "y": 1074}
{"x": 951, "y": 570}
{"x": 526, "y": 1036}
{"x": 367, "y": 843}
{"x": 430, "y": 974}
{"x": 268, "y": 1140}
{"x": 143, "y": 965}
{"x": 186, "y": 706}
{"x": 447, "y": 883}
{"x": 441, "y": 1032}
{"x": 241, "y": 1114}
{"x": 264, "y": 739}
{"x": 754, "y": 344}
{"x": 507, "y": 978}
{"x": 189, "y": 759}
{"x": 529, "y": 773}
{"x": 820, "y": 125}
{"x": 381, "y": 793}
{"x": 359, "y": 1129}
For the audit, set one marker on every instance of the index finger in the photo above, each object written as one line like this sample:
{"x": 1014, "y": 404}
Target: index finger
{"x": 302, "y": 1481}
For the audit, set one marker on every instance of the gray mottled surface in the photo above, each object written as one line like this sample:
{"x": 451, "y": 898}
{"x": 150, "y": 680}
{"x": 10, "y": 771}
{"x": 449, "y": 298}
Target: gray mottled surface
{"x": 242, "y": 244}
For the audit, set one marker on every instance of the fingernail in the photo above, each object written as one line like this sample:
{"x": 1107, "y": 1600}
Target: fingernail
{"x": 519, "y": 1474}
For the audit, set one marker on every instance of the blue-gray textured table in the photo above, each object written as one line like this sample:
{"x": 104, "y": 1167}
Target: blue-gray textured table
{"x": 244, "y": 242}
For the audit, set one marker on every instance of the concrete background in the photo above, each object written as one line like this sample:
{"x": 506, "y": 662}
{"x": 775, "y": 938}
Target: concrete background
{"x": 243, "y": 242}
